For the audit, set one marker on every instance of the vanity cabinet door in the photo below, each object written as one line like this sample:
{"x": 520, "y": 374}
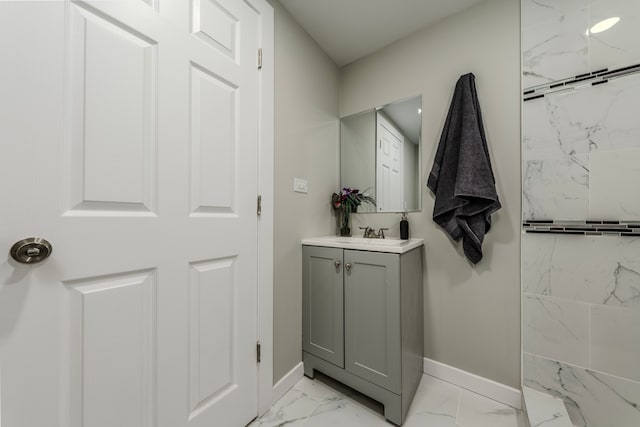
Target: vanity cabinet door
{"x": 372, "y": 317}
{"x": 323, "y": 303}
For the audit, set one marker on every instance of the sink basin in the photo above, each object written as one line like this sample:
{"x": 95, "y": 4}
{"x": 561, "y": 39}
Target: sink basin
{"x": 389, "y": 244}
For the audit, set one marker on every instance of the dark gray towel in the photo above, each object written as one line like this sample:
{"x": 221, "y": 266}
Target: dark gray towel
{"x": 461, "y": 177}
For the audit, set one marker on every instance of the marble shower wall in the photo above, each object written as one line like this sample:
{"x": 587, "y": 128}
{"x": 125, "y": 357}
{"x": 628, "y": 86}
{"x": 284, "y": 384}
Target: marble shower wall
{"x": 581, "y": 161}
{"x": 556, "y": 45}
{"x": 581, "y": 324}
{"x": 570, "y": 136}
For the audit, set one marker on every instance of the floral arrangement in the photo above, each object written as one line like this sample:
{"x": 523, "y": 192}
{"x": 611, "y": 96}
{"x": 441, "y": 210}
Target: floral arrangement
{"x": 347, "y": 201}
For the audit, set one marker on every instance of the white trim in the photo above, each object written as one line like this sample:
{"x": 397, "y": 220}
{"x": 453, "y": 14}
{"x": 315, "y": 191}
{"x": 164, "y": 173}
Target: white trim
{"x": 475, "y": 383}
{"x": 285, "y": 384}
{"x": 265, "y": 188}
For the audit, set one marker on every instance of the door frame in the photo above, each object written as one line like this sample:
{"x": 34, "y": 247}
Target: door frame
{"x": 265, "y": 189}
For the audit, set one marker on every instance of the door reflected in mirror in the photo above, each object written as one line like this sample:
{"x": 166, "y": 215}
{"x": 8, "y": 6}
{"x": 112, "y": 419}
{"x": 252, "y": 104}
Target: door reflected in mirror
{"x": 380, "y": 154}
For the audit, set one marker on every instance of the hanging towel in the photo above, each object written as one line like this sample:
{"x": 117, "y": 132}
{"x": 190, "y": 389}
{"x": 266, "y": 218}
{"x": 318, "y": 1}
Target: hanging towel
{"x": 461, "y": 177}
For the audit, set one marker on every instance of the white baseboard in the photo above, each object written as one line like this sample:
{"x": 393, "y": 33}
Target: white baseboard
{"x": 285, "y": 384}
{"x": 475, "y": 383}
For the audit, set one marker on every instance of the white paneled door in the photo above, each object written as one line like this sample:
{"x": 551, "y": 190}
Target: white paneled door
{"x": 389, "y": 166}
{"x": 129, "y": 132}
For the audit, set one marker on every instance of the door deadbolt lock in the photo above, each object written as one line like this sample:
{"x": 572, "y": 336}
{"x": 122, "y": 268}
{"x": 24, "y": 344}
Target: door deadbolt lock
{"x": 31, "y": 250}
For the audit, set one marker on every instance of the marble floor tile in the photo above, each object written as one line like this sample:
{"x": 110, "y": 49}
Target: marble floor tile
{"x": 435, "y": 404}
{"x": 478, "y": 411}
{"x": 545, "y": 410}
{"x": 313, "y": 403}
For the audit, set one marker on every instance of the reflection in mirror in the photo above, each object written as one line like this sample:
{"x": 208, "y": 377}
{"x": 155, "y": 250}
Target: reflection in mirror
{"x": 380, "y": 155}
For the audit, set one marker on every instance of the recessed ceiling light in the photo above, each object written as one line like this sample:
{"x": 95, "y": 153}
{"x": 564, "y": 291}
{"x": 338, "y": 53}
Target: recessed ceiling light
{"x": 603, "y": 25}
{"x": 419, "y": 110}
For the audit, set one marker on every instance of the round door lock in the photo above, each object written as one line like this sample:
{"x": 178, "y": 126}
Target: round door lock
{"x": 31, "y": 250}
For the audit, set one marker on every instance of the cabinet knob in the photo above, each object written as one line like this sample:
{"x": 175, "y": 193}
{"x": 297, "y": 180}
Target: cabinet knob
{"x": 347, "y": 266}
{"x": 337, "y": 264}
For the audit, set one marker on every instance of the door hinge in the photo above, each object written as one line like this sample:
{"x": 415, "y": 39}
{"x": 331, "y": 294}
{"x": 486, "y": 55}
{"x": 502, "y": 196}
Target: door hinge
{"x": 258, "y": 349}
{"x": 260, "y": 59}
{"x": 259, "y": 210}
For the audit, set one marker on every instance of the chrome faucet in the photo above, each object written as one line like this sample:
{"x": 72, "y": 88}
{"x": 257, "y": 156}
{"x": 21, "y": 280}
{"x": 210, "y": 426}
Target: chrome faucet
{"x": 369, "y": 232}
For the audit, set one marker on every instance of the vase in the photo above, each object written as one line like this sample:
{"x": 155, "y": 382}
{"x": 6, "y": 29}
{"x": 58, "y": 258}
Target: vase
{"x": 345, "y": 216}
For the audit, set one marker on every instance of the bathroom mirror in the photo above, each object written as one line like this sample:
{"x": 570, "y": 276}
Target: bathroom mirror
{"x": 380, "y": 154}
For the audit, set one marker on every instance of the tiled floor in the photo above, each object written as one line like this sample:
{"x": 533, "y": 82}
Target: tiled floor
{"x": 312, "y": 403}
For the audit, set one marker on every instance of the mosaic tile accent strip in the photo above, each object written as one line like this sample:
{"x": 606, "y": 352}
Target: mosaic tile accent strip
{"x": 586, "y": 228}
{"x": 595, "y": 78}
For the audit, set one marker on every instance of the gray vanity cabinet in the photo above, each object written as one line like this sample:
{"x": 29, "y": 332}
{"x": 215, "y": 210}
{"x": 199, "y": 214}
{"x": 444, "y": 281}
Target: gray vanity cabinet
{"x": 362, "y": 322}
{"x": 372, "y": 317}
{"x": 323, "y": 319}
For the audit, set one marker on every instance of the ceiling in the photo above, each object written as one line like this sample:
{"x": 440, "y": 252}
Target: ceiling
{"x": 348, "y": 30}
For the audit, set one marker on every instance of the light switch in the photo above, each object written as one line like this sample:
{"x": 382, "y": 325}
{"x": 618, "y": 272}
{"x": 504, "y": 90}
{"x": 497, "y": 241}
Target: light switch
{"x": 300, "y": 185}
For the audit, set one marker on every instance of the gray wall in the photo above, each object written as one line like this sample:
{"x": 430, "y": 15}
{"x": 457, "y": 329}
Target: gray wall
{"x": 472, "y": 315}
{"x": 306, "y": 146}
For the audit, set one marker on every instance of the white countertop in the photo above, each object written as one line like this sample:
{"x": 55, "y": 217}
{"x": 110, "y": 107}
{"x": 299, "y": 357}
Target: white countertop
{"x": 389, "y": 244}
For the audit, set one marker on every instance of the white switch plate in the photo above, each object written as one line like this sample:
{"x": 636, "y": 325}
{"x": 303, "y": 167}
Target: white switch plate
{"x": 300, "y": 185}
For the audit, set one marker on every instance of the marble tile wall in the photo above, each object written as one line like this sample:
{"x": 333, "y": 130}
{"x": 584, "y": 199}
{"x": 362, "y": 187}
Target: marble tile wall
{"x": 581, "y": 324}
{"x": 592, "y": 398}
{"x": 572, "y": 141}
{"x": 556, "y": 43}
{"x": 567, "y": 134}
{"x": 581, "y": 161}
